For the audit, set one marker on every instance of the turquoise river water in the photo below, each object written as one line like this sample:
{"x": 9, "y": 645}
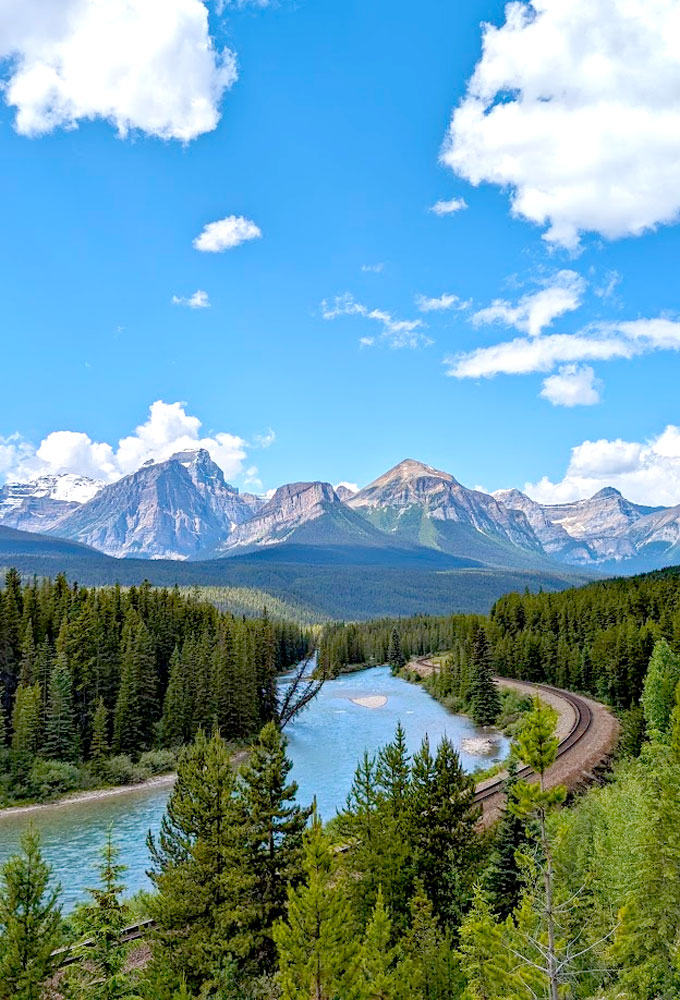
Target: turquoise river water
{"x": 325, "y": 742}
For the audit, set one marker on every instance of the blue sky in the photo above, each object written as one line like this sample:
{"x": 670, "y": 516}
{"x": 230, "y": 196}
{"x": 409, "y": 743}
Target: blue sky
{"x": 329, "y": 142}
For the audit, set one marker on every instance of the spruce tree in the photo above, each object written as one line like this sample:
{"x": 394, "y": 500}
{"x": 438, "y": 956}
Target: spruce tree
{"x": 274, "y": 826}
{"x": 176, "y": 722}
{"x": 503, "y": 877}
{"x": 99, "y": 743}
{"x": 675, "y": 725}
{"x": 26, "y": 722}
{"x": 30, "y": 922}
{"x": 395, "y": 656}
{"x": 203, "y": 905}
{"x": 658, "y": 695}
{"x": 377, "y": 979}
{"x": 316, "y": 945}
{"x": 60, "y": 732}
{"x": 28, "y": 654}
{"x": 485, "y": 702}
{"x": 100, "y": 974}
{"x": 136, "y": 705}
{"x": 428, "y": 969}
{"x": 442, "y": 826}
{"x": 3, "y": 723}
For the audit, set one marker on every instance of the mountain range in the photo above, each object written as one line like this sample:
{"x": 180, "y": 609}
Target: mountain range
{"x": 183, "y": 509}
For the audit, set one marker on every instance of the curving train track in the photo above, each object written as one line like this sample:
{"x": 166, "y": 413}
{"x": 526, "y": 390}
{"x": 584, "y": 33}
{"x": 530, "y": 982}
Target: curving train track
{"x": 588, "y": 742}
{"x": 590, "y": 739}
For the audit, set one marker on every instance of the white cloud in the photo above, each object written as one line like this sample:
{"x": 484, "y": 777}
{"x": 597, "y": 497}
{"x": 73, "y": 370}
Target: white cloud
{"x": 168, "y": 429}
{"x": 265, "y": 440}
{"x": 199, "y": 300}
{"x": 602, "y": 342}
{"x": 561, "y": 294}
{"x": 647, "y": 473}
{"x": 352, "y": 487}
{"x": 606, "y": 289}
{"x": 449, "y": 207}
{"x": 373, "y": 268}
{"x": 225, "y": 234}
{"x": 139, "y": 64}
{"x": 573, "y": 385}
{"x": 397, "y": 332}
{"x": 441, "y": 303}
{"x": 575, "y": 109}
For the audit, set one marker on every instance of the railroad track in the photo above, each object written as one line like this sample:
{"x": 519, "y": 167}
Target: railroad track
{"x": 583, "y": 721}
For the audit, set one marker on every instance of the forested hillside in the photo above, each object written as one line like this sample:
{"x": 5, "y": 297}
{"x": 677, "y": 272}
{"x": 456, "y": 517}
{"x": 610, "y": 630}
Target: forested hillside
{"x": 597, "y": 639}
{"x": 100, "y": 676}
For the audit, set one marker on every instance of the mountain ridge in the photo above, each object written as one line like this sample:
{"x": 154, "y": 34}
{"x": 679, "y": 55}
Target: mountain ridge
{"x": 183, "y": 508}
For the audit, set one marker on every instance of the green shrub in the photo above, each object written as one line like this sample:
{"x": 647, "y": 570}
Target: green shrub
{"x": 50, "y": 778}
{"x": 158, "y": 761}
{"x": 120, "y": 770}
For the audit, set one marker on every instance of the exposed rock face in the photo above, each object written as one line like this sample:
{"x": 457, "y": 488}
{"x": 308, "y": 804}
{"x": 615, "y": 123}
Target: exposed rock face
{"x": 40, "y": 504}
{"x": 344, "y": 493}
{"x": 412, "y": 486}
{"x": 603, "y": 528}
{"x": 183, "y": 508}
{"x": 291, "y": 506}
{"x": 165, "y": 510}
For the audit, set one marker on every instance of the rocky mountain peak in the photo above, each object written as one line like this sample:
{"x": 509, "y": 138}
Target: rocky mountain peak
{"x": 608, "y": 493}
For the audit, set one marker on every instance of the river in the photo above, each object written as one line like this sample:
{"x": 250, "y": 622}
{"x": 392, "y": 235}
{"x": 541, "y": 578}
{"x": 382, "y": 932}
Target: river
{"x": 325, "y": 742}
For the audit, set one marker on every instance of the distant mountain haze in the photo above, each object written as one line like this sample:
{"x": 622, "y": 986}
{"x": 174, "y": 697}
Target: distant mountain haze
{"x": 183, "y": 509}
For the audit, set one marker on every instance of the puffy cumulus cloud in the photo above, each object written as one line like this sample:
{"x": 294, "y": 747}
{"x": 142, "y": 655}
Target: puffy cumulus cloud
{"x": 199, "y": 300}
{"x": 396, "y": 332}
{"x": 599, "y": 342}
{"x": 225, "y": 234}
{"x": 352, "y": 487}
{"x": 573, "y": 385}
{"x": 168, "y": 429}
{"x": 449, "y": 207}
{"x": 561, "y": 294}
{"x": 440, "y": 303}
{"x": 575, "y": 109}
{"x": 139, "y": 64}
{"x": 645, "y": 472}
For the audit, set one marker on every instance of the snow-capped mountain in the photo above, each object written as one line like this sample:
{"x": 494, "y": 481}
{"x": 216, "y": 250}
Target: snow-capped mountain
{"x": 41, "y": 503}
{"x": 601, "y": 529}
{"x": 166, "y": 510}
{"x": 183, "y": 508}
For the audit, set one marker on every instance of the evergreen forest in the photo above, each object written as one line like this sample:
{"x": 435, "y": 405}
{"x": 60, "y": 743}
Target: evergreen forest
{"x": 103, "y": 685}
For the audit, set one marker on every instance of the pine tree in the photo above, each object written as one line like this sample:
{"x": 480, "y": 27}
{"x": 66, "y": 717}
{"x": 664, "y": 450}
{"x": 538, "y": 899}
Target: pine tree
{"x": 537, "y": 746}
{"x": 176, "y": 723}
{"x": 203, "y": 905}
{"x": 485, "y": 702}
{"x": 377, "y": 978}
{"x": 316, "y": 945}
{"x": 503, "y": 877}
{"x": 3, "y": 723}
{"x": 442, "y": 827}
{"x": 136, "y": 705}
{"x": 99, "y": 744}
{"x": 26, "y": 722}
{"x": 30, "y": 922}
{"x": 661, "y": 681}
{"x": 428, "y": 969}
{"x": 28, "y": 654}
{"x": 274, "y": 826}
{"x": 675, "y": 725}
{"x": 60, "y": 733}
{"x": 395, "y": 656}
{"x": 101, "y": 974}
